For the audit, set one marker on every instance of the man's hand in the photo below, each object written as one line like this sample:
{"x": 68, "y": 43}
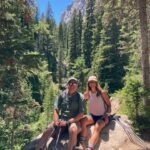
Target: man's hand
{"x": 71, "y": 120}
{"x": 62, "y": 123}
{"x": 57, "y": 122}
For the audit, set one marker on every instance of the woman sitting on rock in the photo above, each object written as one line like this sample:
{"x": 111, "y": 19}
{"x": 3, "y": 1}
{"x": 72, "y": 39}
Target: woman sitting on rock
{"x": 99, "y": 106}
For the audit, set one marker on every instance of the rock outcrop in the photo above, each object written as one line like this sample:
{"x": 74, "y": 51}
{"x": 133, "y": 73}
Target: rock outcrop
{"x": 78, "y": 5}
{"x": 113, "y": 137}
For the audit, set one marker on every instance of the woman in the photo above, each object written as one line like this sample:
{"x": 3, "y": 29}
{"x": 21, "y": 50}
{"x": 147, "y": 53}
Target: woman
{"x": 99, "y": 105}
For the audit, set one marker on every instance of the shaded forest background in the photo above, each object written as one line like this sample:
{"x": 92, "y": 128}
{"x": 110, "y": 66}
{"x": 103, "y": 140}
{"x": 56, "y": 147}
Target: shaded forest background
{"x": 37, "y": 56}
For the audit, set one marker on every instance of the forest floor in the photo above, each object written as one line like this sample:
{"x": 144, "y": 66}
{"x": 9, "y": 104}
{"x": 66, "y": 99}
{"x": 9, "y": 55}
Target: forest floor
{"x": 144, "y": 135}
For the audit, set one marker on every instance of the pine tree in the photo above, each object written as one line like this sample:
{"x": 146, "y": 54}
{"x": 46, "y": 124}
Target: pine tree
{"x": 17, "y": 39}
{"x": 46, "y": 42}
{"x": 49, "y": 18}
{"x": 49, "y": 97}
{"x": 73, "y": 53}
{"x": 98, "y": 14}
{"x": 79, "y": 29}
{"x": 88, "y": 32}
{"x": 75, "y": 41}
{"x": 110, "y": 67}
{"x": 61, "y": 53}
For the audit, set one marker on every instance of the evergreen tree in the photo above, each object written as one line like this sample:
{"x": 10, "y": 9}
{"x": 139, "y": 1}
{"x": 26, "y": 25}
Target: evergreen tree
{"x": 46, "y": 42}
{"x": 98, "y": 14}
{"x": 17, "y": 40}
{"x": 61, "y": 53}
{"x": 49, "y": 97}
{"x": 73, "y": 38}
{"x": 110, "y": 67}
{"x": 49, "y": 18}
{"x": 79, "y": 29}
{"x": 88, "y": 32}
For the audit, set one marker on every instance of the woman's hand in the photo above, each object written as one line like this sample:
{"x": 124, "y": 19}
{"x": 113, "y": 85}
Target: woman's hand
{"x": 86, "y": 95}
{"x": 106, "y": 119}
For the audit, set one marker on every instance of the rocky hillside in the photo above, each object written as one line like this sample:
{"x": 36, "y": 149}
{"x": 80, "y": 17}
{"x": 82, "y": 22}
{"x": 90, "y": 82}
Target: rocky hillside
{"x": 76, "y": 4}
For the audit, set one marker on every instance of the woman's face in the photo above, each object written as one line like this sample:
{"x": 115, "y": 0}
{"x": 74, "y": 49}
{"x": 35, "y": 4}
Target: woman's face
{"x": 92, "y": 85}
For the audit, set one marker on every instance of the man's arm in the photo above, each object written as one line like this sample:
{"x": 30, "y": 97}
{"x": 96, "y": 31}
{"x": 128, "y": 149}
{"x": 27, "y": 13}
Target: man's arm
{"x": 76, "y": 119}
{"x": 57, "y": 106}
{"x": 56, "y": 115}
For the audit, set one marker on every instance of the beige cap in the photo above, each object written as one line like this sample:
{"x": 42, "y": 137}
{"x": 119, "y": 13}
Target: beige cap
{"x": 92, "y": 78}
{"x": 72, "y": 79}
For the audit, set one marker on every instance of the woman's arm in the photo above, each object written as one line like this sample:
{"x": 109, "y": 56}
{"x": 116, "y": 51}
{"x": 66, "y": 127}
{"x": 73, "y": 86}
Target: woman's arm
{"x": 107, "y": 101}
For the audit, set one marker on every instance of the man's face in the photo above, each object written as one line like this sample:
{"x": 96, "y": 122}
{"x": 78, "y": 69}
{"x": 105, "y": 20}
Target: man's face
{"x": 72, "y": 86}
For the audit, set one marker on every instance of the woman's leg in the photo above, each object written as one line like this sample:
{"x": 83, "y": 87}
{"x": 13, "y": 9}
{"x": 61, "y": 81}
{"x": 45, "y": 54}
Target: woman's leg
{"x": 74, "y": 129}
{"x": 99, "y": 125}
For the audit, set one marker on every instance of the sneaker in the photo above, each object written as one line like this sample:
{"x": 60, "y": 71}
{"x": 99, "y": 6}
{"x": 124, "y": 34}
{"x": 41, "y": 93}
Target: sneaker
{"x": 82, "y": 145}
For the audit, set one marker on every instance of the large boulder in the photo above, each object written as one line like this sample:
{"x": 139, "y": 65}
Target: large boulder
{"x": 113, "y": 137}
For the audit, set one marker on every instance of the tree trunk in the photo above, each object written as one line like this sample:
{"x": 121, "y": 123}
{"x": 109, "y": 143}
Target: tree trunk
{"x": 145, "y": 49}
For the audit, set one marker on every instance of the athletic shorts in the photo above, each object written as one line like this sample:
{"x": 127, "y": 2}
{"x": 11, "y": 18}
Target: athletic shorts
{"x": 96, "y": 118}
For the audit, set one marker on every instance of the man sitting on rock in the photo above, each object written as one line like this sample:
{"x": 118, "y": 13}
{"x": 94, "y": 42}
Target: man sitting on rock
{"x": 68, "y": 111}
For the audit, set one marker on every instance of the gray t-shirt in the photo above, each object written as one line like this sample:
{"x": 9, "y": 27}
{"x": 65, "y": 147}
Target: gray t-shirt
{"x": 69, "y": 106}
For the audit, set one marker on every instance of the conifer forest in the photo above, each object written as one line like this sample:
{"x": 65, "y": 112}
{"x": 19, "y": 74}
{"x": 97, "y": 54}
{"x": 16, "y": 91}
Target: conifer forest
{"x": 37, "y": 56}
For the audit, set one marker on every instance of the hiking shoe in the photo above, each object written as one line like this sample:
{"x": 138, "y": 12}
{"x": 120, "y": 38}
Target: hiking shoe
{"x": 82, "y": 145}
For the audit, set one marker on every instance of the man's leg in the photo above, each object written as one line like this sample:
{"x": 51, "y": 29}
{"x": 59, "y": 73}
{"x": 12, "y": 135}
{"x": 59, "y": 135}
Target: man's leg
{"x": 44, "y": 138}
{"x": 84, "y": 123}
{"x": 74, "y": 129}
{"x": 83, "y": 135}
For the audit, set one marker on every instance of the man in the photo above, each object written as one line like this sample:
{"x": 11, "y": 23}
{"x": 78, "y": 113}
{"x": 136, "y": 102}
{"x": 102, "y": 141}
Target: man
{"x": 68, "y": 111}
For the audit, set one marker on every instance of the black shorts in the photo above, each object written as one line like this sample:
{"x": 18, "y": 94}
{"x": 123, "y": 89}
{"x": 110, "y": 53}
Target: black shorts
{"x": 96, "y": 118}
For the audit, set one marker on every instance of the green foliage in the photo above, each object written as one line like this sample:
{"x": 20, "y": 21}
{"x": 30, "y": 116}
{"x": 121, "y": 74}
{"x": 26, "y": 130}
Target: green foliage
{"x": 133, "y": 91}
{"x": 49, "y": 97}
{"x": 16, "y": 107}
{"x": 46, "y": 45}
{"x": 61, "y": 51}
{"x": 104, "y": 42}
{"x": 79, "y": 71}
{"x": 108, "y": 61}
{"x": 98, "y": 26}
{"x": 75, "y": 36}
{"x": 132, "y": 100}
{"x": 88, "y": 32}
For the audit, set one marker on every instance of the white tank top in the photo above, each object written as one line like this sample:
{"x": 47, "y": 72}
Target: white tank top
{"x": 96, "y": 104}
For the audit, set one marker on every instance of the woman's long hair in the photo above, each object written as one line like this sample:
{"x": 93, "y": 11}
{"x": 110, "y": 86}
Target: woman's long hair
{"x": 98, "y": 89}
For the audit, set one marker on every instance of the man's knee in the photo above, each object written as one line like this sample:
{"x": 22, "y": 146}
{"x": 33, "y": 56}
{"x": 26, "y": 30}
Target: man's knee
{"x": 73, "y": 129}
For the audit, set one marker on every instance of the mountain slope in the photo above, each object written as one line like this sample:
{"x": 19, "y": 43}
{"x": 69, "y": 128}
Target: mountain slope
{"x": 78, "y": 5}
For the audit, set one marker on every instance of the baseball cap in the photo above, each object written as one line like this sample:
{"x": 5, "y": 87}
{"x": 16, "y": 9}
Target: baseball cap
{"x": 72, "y": 79}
